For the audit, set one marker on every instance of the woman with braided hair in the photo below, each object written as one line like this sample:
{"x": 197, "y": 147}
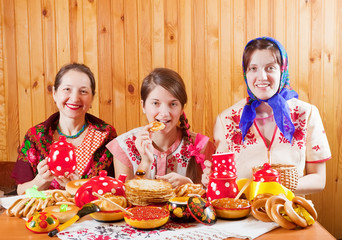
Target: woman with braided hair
{"x": 174, "y": 153}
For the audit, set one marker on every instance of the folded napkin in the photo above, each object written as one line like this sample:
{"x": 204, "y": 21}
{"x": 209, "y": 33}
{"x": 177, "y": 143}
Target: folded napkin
{"x": 6, "y": 202}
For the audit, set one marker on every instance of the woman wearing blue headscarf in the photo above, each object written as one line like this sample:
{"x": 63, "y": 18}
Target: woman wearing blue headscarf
{"x": 272, "y": 122}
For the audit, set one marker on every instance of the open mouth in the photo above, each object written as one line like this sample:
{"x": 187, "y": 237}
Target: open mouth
{"x": 163, "y": 121}
{"x": 264, "y": 85}
{"x": 73, "y": 106}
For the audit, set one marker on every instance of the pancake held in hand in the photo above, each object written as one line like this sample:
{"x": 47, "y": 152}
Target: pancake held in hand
{"x": 142, "y": 192}
{"x": 157, "y": 126}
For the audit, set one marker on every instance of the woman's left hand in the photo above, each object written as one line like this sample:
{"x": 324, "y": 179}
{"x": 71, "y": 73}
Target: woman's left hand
{"x": 175, "y": 179}
{"x": 64, "y": 180}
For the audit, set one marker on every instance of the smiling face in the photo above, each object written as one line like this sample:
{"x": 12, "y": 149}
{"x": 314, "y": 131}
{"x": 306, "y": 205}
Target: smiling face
{"x": 74, "y": 95}
{"x": 263, "y": 74}
{"x": 160, "y": 105}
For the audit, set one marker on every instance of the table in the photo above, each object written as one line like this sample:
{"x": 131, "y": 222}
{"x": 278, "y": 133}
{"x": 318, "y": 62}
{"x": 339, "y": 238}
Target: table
{"x": 14, "y": 228}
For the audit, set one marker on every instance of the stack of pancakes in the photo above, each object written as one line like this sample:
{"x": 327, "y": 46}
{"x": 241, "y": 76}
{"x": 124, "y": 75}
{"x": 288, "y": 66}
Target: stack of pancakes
{"x": 143, "y": 192}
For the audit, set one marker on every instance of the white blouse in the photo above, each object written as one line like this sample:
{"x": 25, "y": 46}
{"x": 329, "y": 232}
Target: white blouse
{"x": 309, "y": 143}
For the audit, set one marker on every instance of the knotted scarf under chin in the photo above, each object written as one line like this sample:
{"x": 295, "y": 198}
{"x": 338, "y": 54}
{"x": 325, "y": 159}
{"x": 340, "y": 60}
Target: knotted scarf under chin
{"x": 281, "y": 113}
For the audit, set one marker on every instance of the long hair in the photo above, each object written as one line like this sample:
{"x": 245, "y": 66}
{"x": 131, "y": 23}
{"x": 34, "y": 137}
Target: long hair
{"x": 174, "y": 84}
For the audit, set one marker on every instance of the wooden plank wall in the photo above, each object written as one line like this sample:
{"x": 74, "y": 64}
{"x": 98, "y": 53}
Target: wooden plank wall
{"x": 123, "y": 40}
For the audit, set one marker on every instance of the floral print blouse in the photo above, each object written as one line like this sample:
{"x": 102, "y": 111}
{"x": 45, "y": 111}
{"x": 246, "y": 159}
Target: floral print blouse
{"x": 175, "y": 159}
{"x": 309, "y": 143}
{"x": 37, "y": 142}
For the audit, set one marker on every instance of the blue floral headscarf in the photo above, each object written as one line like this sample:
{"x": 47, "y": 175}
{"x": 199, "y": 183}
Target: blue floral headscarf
{"x": 278, "y": 102}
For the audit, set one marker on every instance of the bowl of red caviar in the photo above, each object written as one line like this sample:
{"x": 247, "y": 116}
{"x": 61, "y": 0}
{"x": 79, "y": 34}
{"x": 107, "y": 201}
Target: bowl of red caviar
{"x": 147, "y": 217}
{"x": 230, "y": 208}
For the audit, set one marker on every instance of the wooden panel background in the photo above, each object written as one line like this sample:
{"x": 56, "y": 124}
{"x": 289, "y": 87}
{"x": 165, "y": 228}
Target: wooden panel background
{"x": 122, "y": 40}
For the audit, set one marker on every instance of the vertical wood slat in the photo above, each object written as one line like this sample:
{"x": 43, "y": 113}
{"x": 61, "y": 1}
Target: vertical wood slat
{"x": 225, "y": 60}
{"x": 330, "y": 98}
{"x": 336, "y": 144}
{"x": 9, "y": 75}
{"x": 184, "y": 57}
{"x": 145, "y": 47}
{"x": 105, "y": 82}
{"x": 206, "y": 49}
{"x": 212, "y": 70}
{"x": 252, "y": 19}
{"x": 91, "y": 45}
{"x": 118, "y": 66}
{"x": 23, "y": 67}
{"x": 279, "y": 26}
{"x": 76, "y": 30}
{"x": 3, "y": 131}
{"x": 303, "y": 49}
{"x": 131, "y": 65}
{"x": 171, "y": 34}
{"x": 265, "y": 16}
{"x": 291, "y": 44}
{"x": 62, "y": 33}
{"x": 198, "y": 63}
{"x": 36, "y": 60}
{"x": 239, "y": 41}
{"x": 158, "y": 59}
{"x": 50, "y": 53}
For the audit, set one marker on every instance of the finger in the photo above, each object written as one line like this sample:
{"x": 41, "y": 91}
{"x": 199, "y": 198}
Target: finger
{"x": 162, "y": 177}
{"x": 208, "y": 163}
{"x": 74, "y": 176}
{"x": 47, "y": 175}
{"x": 43, "y": 169}
{"x": 148, "y": 126}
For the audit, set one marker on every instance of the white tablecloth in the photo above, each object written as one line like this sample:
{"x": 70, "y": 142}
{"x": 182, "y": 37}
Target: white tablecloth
{"x": 87, "y": 228}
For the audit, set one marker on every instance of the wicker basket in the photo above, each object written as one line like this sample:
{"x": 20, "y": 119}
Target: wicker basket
{"x": 288, "y": 175}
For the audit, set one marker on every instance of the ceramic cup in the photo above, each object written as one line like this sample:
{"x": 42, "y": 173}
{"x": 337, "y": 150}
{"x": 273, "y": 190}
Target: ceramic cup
{"x": 227, "y": 159}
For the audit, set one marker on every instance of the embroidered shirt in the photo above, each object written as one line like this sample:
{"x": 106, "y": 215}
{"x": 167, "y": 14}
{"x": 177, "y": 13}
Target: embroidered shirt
{"x": 175, "y": 159}
{"x": 37, "y": 142}
{"x": 309, "y": 144}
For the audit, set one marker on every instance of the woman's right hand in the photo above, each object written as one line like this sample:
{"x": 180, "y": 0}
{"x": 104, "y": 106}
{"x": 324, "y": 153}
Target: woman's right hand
{"x": 144, "y": 145}
{"x": 42, "y": 180}
{"x": 206, "y": 172}
{"x": 44, "y": 175}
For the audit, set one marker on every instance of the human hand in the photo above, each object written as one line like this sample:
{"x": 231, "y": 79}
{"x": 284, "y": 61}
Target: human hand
{"x": 64, "y": 180}
{"x": 175, "y": 179}
{"x": 206, "y": 172}
{"x": 44, "y": 175}
{"x": 144, "y": 145}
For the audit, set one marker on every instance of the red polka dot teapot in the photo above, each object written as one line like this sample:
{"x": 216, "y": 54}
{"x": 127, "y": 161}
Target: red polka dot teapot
{"x": 266, "y": 174}
{"x": 222, "y": 184}
{"x": 62, "y": 158}
{"x": 101, "y": 185}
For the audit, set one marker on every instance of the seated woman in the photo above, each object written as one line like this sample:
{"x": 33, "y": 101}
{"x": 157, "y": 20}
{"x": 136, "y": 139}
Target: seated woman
{"x": 173, "y": 154}
{"x": 272, "y": 121}
{"x": 73, "y": 93}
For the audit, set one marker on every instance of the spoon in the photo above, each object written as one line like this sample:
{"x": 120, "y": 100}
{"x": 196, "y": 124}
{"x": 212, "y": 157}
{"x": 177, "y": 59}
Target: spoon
{"x": 85, "y": 210}
{"x": 243, "y": 189}
{"x": 114, "y": 203}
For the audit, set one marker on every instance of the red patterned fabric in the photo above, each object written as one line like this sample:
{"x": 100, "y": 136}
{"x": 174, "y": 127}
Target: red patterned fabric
{"x": 36, "y": 147}
{"x": 309, "y": 142}
{"x": 175, "y": 159}
{"x": 91, "y": 142}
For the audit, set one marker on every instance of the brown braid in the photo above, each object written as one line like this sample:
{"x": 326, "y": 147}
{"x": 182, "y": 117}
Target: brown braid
{"x": 184, "y": 126}
{"x": 194, "y": 170}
